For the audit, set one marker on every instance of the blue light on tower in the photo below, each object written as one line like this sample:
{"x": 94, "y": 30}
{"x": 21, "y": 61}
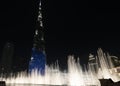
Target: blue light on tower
{"x": 38, "y": 58}
{"x": 38, "y": 61}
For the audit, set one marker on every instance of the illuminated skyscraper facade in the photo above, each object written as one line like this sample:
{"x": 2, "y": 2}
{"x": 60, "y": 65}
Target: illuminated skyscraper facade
{"x": 38, "y": 58}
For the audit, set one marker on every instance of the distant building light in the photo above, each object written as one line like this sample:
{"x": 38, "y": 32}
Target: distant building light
{"x": 36, "y": 32}
{"x": 91, "y": 56}
{"x": 91, "y": 59}
{"x": 114, "y": 57}
{"x": 32, "y": 58}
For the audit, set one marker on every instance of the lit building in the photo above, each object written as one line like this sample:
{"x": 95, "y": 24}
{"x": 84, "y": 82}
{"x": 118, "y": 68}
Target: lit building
{"x": 6, "y": 61}
{"x": 115, "y": 60}
{"x": 93, "y": 63}
{"x": 38, "y": 58}
{"x": 116, "y": 63}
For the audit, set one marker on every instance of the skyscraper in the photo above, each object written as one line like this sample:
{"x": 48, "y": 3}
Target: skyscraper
{"x": 38, "y": 58}
{"x": 6, "y": 60}
{"x": 93, "y": 63}
{"x": 115, "y": 60}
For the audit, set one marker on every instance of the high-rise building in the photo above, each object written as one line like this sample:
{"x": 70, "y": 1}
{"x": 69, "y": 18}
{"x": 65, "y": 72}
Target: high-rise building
{"x": 93, "y": 63}
{"x": 6, "y": 60}
{"x": 115, "y": 60}
{"x": 38, "y": 58}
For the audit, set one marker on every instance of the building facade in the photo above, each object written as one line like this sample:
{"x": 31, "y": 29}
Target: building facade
{"x": 38, "y": 58}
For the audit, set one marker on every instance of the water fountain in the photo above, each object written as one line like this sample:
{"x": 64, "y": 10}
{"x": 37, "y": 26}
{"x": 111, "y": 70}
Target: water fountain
{"x": 75, "y": 76}
{"x": 52, "y": 75}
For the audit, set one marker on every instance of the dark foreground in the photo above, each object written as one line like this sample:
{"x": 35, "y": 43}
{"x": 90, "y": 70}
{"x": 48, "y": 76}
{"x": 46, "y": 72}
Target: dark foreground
{"x": 109, "y": 82}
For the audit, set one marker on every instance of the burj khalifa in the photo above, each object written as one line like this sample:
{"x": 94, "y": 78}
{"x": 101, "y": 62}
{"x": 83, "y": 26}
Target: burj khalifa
{"x": 38, "y": 57}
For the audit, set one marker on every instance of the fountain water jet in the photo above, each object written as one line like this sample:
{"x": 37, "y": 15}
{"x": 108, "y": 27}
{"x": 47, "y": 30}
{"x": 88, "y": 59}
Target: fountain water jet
{"x": 75, "y": 75}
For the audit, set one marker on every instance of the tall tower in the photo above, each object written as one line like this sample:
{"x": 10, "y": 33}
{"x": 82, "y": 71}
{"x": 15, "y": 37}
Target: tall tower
{"x": 39, "y": 33}
{"x": 38, "y": 58}
{"x": 7, "y": 57}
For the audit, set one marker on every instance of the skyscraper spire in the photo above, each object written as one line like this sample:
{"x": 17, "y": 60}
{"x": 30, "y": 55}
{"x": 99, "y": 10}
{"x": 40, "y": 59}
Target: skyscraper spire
{"x": 40, "y": 15}
{"x": 38, "y": 58}
{"x": 39, "y": 33}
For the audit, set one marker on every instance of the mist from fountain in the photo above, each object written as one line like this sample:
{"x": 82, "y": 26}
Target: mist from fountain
{"x": 75, "y": 75}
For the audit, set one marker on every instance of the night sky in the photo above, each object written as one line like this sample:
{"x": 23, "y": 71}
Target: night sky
{"x": 76, "y": 27}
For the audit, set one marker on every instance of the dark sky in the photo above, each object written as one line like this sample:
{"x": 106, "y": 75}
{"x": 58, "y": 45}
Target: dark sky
{"x": 76, "y": 27}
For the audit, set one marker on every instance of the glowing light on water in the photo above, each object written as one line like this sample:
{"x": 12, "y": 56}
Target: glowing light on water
{"x": 75, "y": 75}
{"x": 53, "y": 76}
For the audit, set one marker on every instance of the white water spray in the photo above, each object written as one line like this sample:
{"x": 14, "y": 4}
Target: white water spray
{"x": 75, "y": 76}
